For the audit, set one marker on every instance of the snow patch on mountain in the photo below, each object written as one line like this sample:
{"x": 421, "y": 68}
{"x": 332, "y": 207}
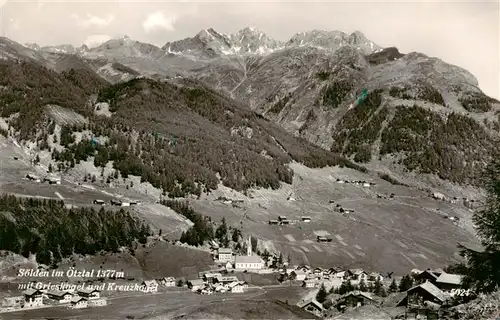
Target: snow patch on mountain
{"x": 251, "y": 41}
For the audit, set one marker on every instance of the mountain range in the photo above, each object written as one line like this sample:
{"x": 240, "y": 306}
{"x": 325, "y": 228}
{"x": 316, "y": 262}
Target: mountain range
{"x": 422, "y": 117}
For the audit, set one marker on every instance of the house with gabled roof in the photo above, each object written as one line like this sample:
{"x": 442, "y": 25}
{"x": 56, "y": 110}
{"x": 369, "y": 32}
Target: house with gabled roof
{"x": 318, "y": 271}
{"x": 356, "y": 274}
{"x": 374, "y": 276}
{"x": 298, "y": 275}
{"x": 353, "y": 299}
{"x": 422, "y": 293}
{"x": 79, "y": 302}
{"x": 448, "y": 281}
{"x": 225, "y": 280}
{"x": 32, "y": 298}
{"x": 225, "y": 254}
{"x": 211, "y": 276}
{"x": 309, "y": 283}
{"x": 426, "y": 275}
{"x": 150, "y": 286}
{"x": 89, "y": 293}
{"x": 195, "y": 284}
{"x": 168, "y": 282}
{"x": 60, "y": 296}
{"x": 311, "y": 306}
{"x": 248, "y": 262}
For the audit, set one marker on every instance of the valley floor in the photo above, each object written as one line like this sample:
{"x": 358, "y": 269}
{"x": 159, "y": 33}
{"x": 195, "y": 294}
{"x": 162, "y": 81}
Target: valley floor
{"x": 382, "y": 234}
{"x": 173, "y": 304}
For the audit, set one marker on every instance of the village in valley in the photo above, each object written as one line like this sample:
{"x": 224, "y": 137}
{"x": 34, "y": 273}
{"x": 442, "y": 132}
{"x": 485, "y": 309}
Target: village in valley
{"x": 326, "y": 291}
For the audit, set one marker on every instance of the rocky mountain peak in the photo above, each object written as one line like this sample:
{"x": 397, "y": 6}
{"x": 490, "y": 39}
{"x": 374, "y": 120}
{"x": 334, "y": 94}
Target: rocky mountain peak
{"x": 252, "y": 40}
{"x": 333, "y": 40}
{"x": 32, "y": 46}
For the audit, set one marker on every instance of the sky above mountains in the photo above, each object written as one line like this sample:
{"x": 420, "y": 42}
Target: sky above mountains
{"x": 461, "y": 33}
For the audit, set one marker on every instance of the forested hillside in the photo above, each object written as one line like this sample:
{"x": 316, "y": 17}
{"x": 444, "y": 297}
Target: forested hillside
{"x": 455, "y": 146}
{"x": 47, "y": 228}
{"x": 27, "y": 87}
{"x": 183, "y": 138}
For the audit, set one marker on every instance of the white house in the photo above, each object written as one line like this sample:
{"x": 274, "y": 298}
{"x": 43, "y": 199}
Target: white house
{"x": 299, "y": 275}
{"x": 32, "y": 298}
{"x": 248, "y": 262}
{"x": 237, "y": 288}
{"x": 220, "y": 288}
{"x": 150, "y": 286}
{"x": 79, "y": 303}
{"x": 97, "y": 302}
{"x": 225, "y": 254}
{"x": 357, "y": 274}
{"x": 304, "y": 268}
{"x": 89, "y": 293}
{"x": 289, "y": 270}
{"x": 318, "y": 272}
{"x": 438, "y": 196}
{"x": 309, "y": 283}
{"x": 229, "y": 266}
{"x": 60, "y": 296}
{"x": 211, "y": 277}
{"x": 168, "y": 282}
{"x": 196, "y": 284}
{"x": 226, "y": 280}
{"x": 374, "y": 276}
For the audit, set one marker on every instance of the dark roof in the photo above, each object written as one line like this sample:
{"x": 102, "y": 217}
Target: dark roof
{"x": 31, "y": 291}
{"x": 427, "y": 272}
{"x": 57, "y": 293}
{"x": 87, "y": 291}
{"x": 449, "y": 278}
{"x": 472, "y": 246}
{"x": 313, "y": 302}
{"x": 357, "y": 293}
{"x": 433, "y": 290}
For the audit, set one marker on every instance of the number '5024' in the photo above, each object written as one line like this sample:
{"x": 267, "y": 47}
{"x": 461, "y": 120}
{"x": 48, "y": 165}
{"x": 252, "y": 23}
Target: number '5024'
{"x": 461, "y": 292}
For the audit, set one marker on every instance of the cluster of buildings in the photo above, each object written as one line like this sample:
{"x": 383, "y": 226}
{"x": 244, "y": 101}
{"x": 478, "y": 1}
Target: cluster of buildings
{"x": 283, "y": 220}
{"x": 216, "y": 282}
{"x": 363, "y": 183}
{"x": 313, "y": 278}
{"x": 117, "y": 203}
{"x": 36, "y": 298}
{"x": 466, "y": 202}
{"x": 248, "y": 262}
{"x": 432, "y": 289}
{"x": 351, "y": 299}
{"x": 49, "y": 179}
{"x": 340, "y": 209}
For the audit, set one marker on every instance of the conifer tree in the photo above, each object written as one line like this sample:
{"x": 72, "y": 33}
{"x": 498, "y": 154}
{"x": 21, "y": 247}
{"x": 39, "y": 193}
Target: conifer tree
{"x": 406, "y": 283}
{"x": 322, "y": 293}
{"x": 483, "y": 273}
{"x": 362, "y": 285}
{"x": 394, "y": 286}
